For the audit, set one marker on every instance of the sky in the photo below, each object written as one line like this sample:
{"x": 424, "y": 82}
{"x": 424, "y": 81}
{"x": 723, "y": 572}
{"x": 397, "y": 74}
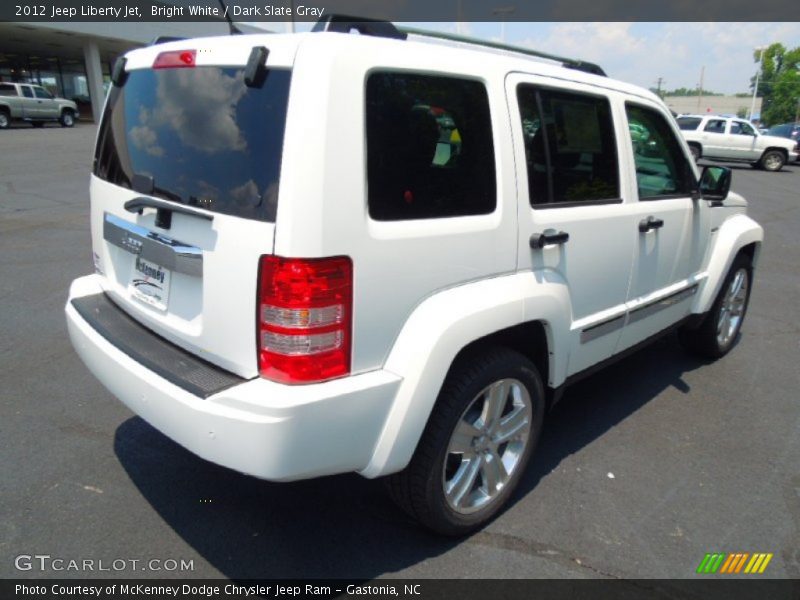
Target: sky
{"x": 640, "y": 53}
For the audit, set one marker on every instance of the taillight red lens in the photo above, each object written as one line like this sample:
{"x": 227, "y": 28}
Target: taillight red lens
{"x": 175, "y": 59}
{"x": 304, "y": 318}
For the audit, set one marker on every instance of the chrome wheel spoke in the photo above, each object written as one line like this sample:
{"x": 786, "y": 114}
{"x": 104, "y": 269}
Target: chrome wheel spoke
{"x": 463, "y": 481}
{"x": 493, "y": 472}
{"x": 495, "y": 403}
{"x": 512, "y": 425}
{"x": 736, "y": 287}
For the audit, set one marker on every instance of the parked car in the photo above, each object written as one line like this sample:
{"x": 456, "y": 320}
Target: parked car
{"x": 35, "y": 105}
{"x": 732, "y": 139}
{"x": 786, "y": 130}
{"x": 293, "y": 307}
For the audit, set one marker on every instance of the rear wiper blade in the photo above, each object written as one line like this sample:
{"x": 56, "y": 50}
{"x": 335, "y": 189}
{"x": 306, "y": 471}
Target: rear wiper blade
{"x": 137, "y": 205}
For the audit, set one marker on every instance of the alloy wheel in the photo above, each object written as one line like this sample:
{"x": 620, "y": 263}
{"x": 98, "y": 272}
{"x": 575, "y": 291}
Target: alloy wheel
{"x": 487, "y": 445}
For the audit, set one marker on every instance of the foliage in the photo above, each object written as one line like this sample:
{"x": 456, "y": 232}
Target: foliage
{"x": 779, "y": 83}
{"x": 691, "y": 92}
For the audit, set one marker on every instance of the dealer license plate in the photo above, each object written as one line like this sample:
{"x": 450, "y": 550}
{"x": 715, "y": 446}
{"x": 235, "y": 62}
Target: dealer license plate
{"x": 150, "y": 283}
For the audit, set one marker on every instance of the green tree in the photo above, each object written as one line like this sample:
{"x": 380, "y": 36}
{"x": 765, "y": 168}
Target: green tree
{"x": 779, "y": 83}
{"x": 682, "y": 91}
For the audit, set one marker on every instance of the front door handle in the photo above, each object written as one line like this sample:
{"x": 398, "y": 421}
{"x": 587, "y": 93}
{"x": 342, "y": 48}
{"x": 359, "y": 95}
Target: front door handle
{"x": 650, "y": 223}
{"x": 540, "y": 240}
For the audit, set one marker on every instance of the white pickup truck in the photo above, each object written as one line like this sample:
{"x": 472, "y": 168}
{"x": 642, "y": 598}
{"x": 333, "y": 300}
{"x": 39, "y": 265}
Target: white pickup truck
{"x": 728, "y": 139}
{"x": 34, "y": 104}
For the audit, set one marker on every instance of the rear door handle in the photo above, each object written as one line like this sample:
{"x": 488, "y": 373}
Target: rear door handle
{"x": 650, "y": 223}
{"x": 540, "y": 240}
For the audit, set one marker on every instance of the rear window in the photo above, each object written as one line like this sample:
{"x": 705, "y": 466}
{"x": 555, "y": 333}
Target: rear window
{"x": 197, "y": 136}
{"x": 688, "y": 123}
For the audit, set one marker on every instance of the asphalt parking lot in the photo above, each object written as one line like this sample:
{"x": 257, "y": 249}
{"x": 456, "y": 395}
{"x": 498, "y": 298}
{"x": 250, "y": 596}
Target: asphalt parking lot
{"x": 642, "y": 469}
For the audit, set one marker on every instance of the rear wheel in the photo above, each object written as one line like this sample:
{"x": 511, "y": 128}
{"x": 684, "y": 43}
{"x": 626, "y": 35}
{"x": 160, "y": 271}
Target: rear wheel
{"x": 718, "y": 332}
{"x": 772, "y": 160}
{"x": 5, "y": 121}
{"x": 695, "y": 152}
{"x": 483, "y": 429}
{"x": 67, "y": 119}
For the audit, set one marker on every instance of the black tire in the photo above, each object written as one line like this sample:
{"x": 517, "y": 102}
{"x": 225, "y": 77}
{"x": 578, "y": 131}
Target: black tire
{"x": 695, "y": 152}
{"x": 67, "y": 118}
{"x": 420, "y": 488}
{"x": 706, "y": 340}
{"x": 772, "y": 160}
{"x": 5, "y": 120}
{"x": 37, "y": 124}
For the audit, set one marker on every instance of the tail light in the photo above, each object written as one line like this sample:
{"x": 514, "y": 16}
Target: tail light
{"x": 304, "y": 318}
{"x": 175, "y": 59}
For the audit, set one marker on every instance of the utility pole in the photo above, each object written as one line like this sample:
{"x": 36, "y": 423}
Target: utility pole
{"x": 700, "y": 88}
{"x": 503, "y": 11}
{"x": 659, "y": 81}
{"x": 755, "y": 87}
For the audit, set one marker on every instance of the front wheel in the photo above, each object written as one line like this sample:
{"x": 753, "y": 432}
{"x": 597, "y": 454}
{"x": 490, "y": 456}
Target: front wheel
{"x": 480, "y": 436}
{"x": 772, "y": 160}
{"x": 67, "y": 119}
{"x": 717, "y": 333}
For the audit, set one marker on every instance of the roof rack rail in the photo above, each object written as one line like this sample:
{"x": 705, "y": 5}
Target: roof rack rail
{"x": 569, "y": 63}
{"x": 378, "y": 28}
{"x": 345, "y": 24}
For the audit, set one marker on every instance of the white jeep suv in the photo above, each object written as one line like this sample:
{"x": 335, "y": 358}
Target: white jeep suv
{"x": 388, "y": 254}
{"x": 729, "y": 139}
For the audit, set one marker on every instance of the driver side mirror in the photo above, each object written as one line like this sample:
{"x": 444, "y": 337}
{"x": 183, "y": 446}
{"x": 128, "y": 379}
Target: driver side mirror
{"x": 715, "y": 183}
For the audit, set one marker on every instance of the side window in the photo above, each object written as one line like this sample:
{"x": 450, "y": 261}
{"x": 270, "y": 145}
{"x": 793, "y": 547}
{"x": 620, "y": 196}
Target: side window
{"x": 7, "y": 89}
{"x": 715, "y": 126}
{"x": 742, "y": 128}
{"x": 570, "y": 147}
{"x": 662, "y": 170}
{"x": 42, "y": 93}
{"x": 689, "y": 123}
{"x": 429, "y": 147}
{"x": 26, "y": 91}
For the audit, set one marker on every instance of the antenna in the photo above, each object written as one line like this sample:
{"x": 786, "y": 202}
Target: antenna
{"x": 234, "y": 30}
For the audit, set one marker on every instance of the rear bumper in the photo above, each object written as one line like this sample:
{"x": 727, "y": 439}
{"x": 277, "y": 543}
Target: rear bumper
{"x": 258, "y": 427}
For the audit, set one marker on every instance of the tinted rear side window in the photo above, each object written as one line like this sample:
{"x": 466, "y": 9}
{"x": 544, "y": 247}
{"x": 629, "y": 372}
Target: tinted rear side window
{"x": 197, "y": 136}
{"x": 429, "y": 147}
{"x": 688, "y": 123}
{"x": 7, "y": 90}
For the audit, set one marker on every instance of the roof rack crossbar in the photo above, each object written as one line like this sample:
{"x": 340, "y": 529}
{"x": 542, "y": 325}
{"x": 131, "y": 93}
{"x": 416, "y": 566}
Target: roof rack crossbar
{"x": 569, "y": 63}
{"x": 345, "y": 24}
